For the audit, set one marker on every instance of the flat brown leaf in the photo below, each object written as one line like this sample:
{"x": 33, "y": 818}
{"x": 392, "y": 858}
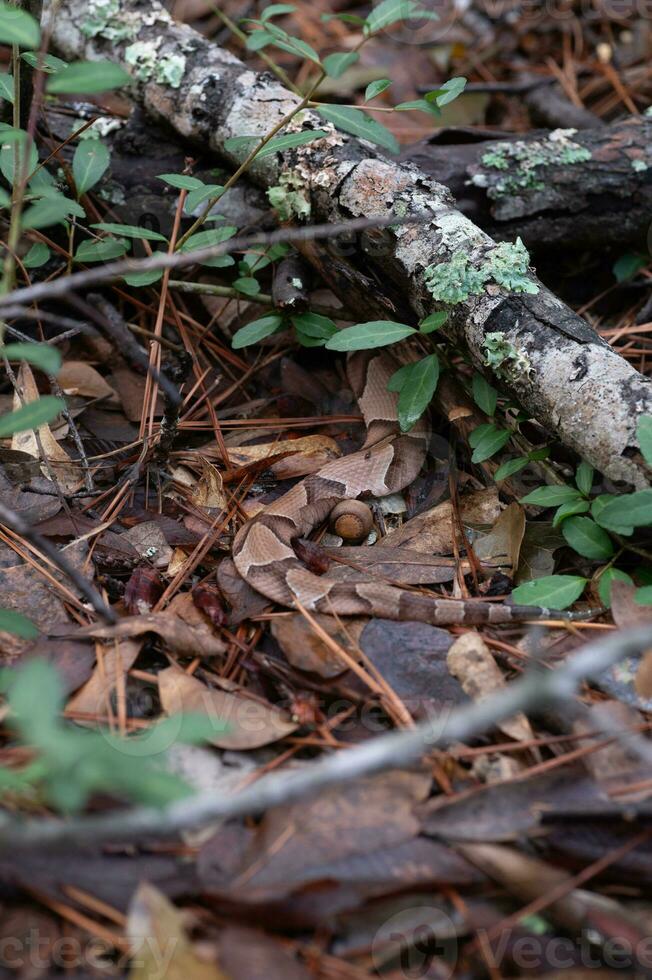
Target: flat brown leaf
{"x": 501, "y": 547}
{"x": 307, "y": 651}
{"x": 432, "y": 532}
{"x": 79, "y": 378}
{"x": 250, "y": 723}
{"x": 181, "y": 639}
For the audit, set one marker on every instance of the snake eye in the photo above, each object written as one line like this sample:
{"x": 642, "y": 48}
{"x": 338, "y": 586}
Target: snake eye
{"x": 351, "y": 520}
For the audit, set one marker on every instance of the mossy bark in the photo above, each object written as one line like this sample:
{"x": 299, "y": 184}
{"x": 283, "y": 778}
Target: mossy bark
{"x": 576, "y": 385}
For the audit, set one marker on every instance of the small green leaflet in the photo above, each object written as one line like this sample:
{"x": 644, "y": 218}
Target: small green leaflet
{"x": 374, "y": 89}
{"x": 509, "y": 468}
{"x": 597, "y": 507}
{"x": 551, "y": 496}
{"x": 578, "y": 506}
{"x": 313, "y": 330}
{"x": 551, "y": 591}
{"x": 32, "y": 415}
{"x": 202, "y": 194}
{"x": 484, "y": 395}
{"x": 449, "y": 91}
{"x": 418, "y": 385}
{"x": 101, "y": 251}
{"x": 491, "y": 441}
{"x": 433, "y": 322}
{"x": 18, "y": 625}
{"x": 336, "y": 64}
{"x": 87, "y": 78}
{"x": 51, "y": 210}
{"x": 606, "y": 580}
{"x": 644, "y": 596}
{"x": 587, "y": 539}
{"x": 293, "y": 45}
{"x": 584, "y": 478}
{"x": 18, "y": 27}
{"x": 6, "y": 86}
{"x": 45, "y": 62}
{"x": 182, "y": 181}
{"x": 628, "y": 265}
{"x": 629, "y": 510}
{"x": 247, "y": 285}
{"x": 258, "y": 40}
{"x": 9, "y": 152}
{"x": 130, "y": 231}
{"x": 420, "y": 105}
{"x": 365, "y": 336}
{"x": 389, "y": 12}
{"x": 43, "y": 356}
{"x": 257, "y": 330}
{"x": 276, "y": 9}
{"x": 37, "y": 256}
{"x": 89, "y": 164}
{"x": 356, "y": 122}
{"x": 644, "y": 433}
{"x": 288, "y": 140}
{"x": 206, "y": 239}
{"x": 144, "y": 278}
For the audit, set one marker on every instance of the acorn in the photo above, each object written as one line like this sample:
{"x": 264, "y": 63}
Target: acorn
{"x": 351, "y": 520}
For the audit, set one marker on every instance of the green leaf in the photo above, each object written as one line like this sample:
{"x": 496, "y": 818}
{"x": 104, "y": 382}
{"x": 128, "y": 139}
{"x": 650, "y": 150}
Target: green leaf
{"x": 578, "y": 506}
{"x": 597, "y": 507}
{"x": 202, "y": 194}
{"x": 13, "y": 622}
{"x": 6, "y": 86}
{"x": 87, "y": 78}
{"x": 144, "y": 278}
{"x": 257, "y": 330}
{"x": 276, "y": 9}
{"x": 130, "y": 231}
{"x": 433, "y": 322}
{"x": 247, "y": 285}
{"x": 584, "y": 478}
{"x": 101, "y": 251}
{"x": 606, "y": 580}
{"x": 314, "y": 327}
{"x": 294, "y": 45}
{"x": 258, "y": 40}
{"x": 32, "y": 415}
{"x": 551, "y": 496}
{"x": 356, "y": 122}
{"x": 587, "y": 539}
{"x": 45, "y": 62}
{"x": 336, "y": 64}
{"x": 37, "y": 256}
{"x": 448, "y": 92}
{"x": 18, "y": 27}
{"x": 510, "y": 467}
{"x": 644, "y": 596}
{"x": 182, "y": 181}
{"x": 366, "y": 336}
{"x": 345, "y": 18}
{"x": 51, "y": 210}
{"x": 389, "y": 12}
{"x": 43, "y": 356}
{"x": 14, "y": 145}
{"x": 644, "y": 433}
{"x": 476, "y": 435}
{"x": 374, "y": 89}
{"x": 419, "y": 385}
{"x": 205, "y": 239}
{"x": 484, "y": 395}
{"x": 418, "y": 104}
{"x": 551, "y": 591}
{"x": 628, "y": 265}
{"x": 89, "y": 164}
{"x": 289, "y": 140}
{"x": 491, "y": 442}
{"x": 629, "y": 510}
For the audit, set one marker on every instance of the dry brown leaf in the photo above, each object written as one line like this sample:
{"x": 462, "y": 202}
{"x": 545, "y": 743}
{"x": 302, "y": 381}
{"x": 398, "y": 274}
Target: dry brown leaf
{"x": 624, "y": 608}
{"x": 471, "y": 662}
{"x": 643, "y": 682}
{"x": 131, "y": 389}
{"x": 180, "y": 639}
{"x": 307, "y": 455}
{"x": 160, "y": 945}
{"x": 61, "y": 466}
{"x": 97, "y": 694}
{"x": 79, "y": 378}
{"x": 251, "y": 723}
{"x": 25, "y": 590}
{"x": 501, "y": 547}
{"x": 432, "y": 532}
{"x": 210, "y": 487}
{"x": 306, "y": 651}
{"x": 149, "y": 542}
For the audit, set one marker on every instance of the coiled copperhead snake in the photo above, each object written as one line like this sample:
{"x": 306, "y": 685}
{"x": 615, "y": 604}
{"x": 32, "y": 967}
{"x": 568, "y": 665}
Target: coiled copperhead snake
{"x": 387, "y": 463}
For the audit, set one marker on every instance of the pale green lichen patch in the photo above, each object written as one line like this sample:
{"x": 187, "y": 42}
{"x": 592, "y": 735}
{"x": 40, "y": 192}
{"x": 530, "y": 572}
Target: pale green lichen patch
{"x": 455, "y": 281}
{"x": 289, "y": 198}
{"x": 505, "y": 360}
{"x": 639, "y": 166}
{"x": 168, "y": 69}
{"x": 105, "y": 19}
{"x": 528, "y": 160}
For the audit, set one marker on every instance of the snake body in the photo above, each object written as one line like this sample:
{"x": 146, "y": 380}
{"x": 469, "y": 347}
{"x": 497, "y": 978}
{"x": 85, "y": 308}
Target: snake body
{"x": 388, "y": 462}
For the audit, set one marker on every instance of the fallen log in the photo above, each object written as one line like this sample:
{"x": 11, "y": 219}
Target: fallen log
{"x": 542, "y": 353}
{"x": 559, "y": 188}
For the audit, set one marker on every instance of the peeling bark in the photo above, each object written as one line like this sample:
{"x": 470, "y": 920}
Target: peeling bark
{"x": 573, "y": 383}
{"x": 605, "y": 198}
